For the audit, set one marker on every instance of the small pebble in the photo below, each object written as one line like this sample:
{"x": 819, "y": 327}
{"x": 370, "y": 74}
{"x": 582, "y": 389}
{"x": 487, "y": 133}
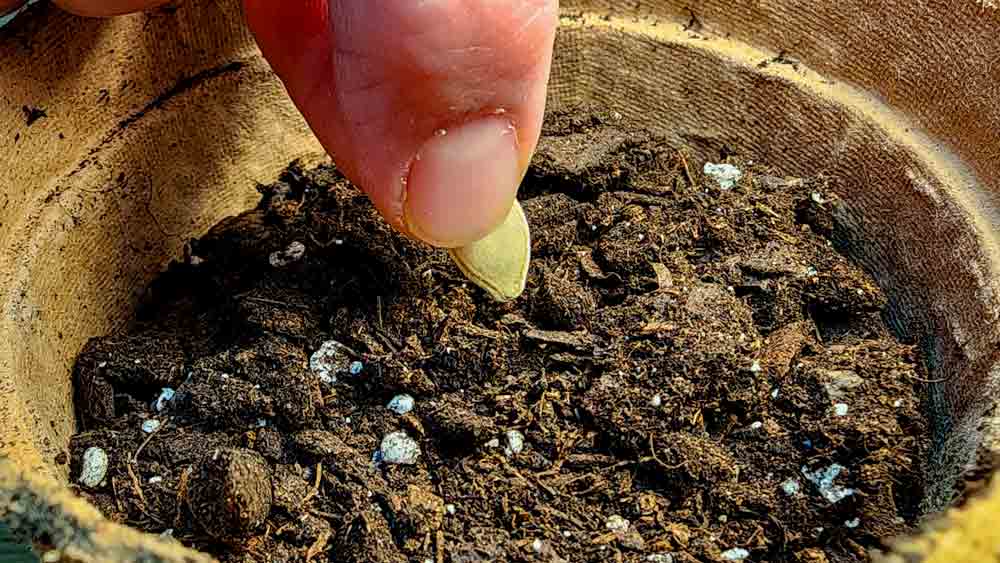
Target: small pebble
{"x": 328, "y": 360}
{"x": 567, "y": 534}
{"x": 399, "y": 449}
{"x": 757, "y": 425}
{"x": 616, "y": 523}
{"x": 840, "y": 409}
{"x": 537, "y": 546}
{"x": 656, "y": 401}
{"x": 150, "y": 426}
{"x": 282, "y": 258}
{"x": 494, "y": 443}
{"x": 166, "y": 395}
{"x": 853, "y": 523}
{"x": 755, "y": 367}
{"x": 735, "y": 554}
{"x": 261, "y": 423}
{"x": 811, "y": 272}
{"x": 723, "y": 518}
{"x": 818, "y": 197}
{"x": 774, "y": 394}
{"x": 791, "y": 487}
{"x": 168, "y": 533}
{"x": 725, "y": 174}
{"x": 515, "y": 442}
{"x": 356, "y": 367}
{"x": 450, "y": 509}
{"x": 660, "y": 558}
{"x": 898, "y": 403}
{"x": 401, "y": 404}
{"x": 95, "y": 467}
{"x": 155, "y": 480}
{"x": 51, "y": 557}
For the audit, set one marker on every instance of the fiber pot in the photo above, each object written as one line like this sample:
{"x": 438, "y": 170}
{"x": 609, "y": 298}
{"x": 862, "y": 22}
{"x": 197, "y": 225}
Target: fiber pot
{"x": 157, "y": 126}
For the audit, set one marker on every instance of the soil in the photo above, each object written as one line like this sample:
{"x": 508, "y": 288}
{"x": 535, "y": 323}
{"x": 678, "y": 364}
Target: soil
{"x": 693, "y": 374}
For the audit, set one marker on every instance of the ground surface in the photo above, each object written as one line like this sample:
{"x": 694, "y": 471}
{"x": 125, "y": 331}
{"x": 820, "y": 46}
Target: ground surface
{"x": 694, "y": 374}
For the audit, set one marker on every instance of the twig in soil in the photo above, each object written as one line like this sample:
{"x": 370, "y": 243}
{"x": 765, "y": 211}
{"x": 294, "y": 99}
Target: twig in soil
{"x": 323, "y": 245}
{"x": 319, "y": 546}
{"x": 282, "y": 528}
{"x": 135, "y": 457}
{"x": 181, "y": 495}
{"x": 386, "y": 340}
{"x": 922, "y": 380}
{"x": 652, "y": 450}
{"x": 135, "y": 479}
{"x": 474, "y": 330}
{"x": 315, "y": 489}
{"x": 142, "y": 497}
{"x": 767, "y": 210}
{"x": 687, "y": 170}
{"x": 118, "y": 500}
{"x": 273, "y": 302}
{"x": 571, "y": 519}
{"x": 787, "y": 238}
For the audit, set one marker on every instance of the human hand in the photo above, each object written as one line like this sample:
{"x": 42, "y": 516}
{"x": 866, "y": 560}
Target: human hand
{"x": 433, "y": 107}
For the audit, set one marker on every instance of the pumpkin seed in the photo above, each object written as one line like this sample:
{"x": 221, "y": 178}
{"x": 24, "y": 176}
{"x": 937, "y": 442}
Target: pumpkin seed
{"x": 499, "y": 262}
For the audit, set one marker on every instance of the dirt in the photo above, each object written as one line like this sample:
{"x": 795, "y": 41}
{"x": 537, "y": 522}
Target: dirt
{"x": 687, "y": 365}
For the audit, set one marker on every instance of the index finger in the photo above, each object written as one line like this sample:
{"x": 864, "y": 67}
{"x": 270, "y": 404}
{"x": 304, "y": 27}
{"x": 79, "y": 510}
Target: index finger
{"x": 103, "y": 7}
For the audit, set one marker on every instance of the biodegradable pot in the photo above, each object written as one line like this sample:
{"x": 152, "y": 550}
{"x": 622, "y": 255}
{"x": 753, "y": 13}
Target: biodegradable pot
{"x": 157, "y": 126}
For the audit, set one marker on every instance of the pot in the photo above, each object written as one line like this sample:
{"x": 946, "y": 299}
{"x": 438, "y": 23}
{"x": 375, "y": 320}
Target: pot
{"x": 125, "y": 138}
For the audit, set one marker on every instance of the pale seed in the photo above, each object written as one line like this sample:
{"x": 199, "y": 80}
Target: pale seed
{"x": 499, "y": 262}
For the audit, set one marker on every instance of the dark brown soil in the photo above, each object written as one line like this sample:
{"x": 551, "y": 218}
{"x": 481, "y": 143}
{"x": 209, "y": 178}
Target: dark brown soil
{"x": 686, "y": 361}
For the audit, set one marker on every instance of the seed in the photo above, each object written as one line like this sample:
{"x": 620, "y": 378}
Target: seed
{"x": 499, "y": 262}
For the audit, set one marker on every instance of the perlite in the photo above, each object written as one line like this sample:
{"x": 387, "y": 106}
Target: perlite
{"x": 499, "y": 262}
{"x": 95, "y": 467}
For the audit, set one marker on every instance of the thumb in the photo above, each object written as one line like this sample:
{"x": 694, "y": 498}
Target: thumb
{"x": 434, "y": 108}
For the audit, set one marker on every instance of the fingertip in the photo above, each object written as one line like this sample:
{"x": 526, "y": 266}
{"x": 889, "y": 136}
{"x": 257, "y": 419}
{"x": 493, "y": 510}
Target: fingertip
{"x": 105, "y": 8}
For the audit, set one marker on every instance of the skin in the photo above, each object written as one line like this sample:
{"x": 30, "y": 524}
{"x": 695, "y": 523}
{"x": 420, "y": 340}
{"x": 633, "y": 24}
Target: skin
{"x": 433, "y": 107}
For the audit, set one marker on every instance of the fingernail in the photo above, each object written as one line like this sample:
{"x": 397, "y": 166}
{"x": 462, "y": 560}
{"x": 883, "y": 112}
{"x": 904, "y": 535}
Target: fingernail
{"x": 463, "y": 182}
